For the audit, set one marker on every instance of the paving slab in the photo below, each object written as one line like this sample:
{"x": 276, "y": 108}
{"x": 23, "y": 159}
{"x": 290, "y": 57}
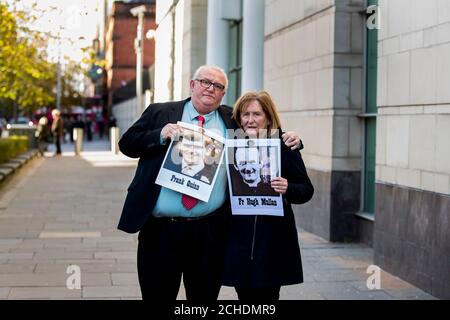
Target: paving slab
{"x": 11, "y": 164}
{"x": 4, "y": 292}
{"x": 43, "y": 293}
{"x": 125, "y": 279}
{"x": 111, "y": 292}
{"x": 4, "y": 171}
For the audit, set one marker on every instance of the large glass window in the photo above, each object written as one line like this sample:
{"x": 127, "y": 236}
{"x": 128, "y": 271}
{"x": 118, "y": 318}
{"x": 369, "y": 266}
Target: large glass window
{"x": 235, "y": 58}
{"x": 369, "y": 117}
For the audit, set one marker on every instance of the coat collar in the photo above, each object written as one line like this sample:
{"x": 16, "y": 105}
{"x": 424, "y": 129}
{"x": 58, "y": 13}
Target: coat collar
{"x": 177, "y": 111}
{"x": 225, "y": 112}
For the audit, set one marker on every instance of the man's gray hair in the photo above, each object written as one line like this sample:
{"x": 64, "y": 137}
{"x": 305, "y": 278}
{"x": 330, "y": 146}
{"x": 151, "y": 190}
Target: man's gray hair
{"x": 210, "y": 67}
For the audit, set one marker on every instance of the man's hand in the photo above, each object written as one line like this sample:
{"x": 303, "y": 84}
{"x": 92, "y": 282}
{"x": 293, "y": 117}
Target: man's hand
{"x": 170, "y": 131}
{"x": 291, "y": 139}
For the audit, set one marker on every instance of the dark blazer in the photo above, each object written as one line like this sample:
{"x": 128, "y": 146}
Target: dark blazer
{"x": 142, "y": 140}
{"x": 263, "y": 251}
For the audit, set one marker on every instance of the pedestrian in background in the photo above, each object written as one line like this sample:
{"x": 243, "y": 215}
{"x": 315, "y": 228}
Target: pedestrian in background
{"x": 112, "y": 122}
{"x": 42, "y": 134}
{"x": 70, "y": 126}
{"x": 88, "y": 126}
{"x": 57, "y": 129}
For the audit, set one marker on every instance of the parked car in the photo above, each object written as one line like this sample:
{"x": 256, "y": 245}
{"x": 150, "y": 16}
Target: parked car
{"x": 21, "y": 120}
{"x": 20, "y": 123}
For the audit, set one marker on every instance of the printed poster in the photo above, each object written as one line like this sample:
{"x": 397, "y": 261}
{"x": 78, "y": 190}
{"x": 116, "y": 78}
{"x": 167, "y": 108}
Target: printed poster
{"x": 192, "y": 161}
{"x": 251, "y": 165}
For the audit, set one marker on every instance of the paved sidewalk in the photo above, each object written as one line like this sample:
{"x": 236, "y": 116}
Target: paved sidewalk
{"x": 8, "y": 168}
{"x": 61, "y": 211}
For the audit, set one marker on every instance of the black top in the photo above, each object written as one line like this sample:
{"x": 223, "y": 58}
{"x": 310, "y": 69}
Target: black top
{"x": 263, "y": 251}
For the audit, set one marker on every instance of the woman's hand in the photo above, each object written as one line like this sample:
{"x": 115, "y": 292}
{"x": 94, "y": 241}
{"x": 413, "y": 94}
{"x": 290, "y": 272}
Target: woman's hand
{"x": 279, "y": 184}
{"x": 291, "y": 139}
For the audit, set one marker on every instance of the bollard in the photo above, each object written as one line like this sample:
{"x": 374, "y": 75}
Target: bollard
{"x": 78, "y": 140}
{"x": 114, "y": 133}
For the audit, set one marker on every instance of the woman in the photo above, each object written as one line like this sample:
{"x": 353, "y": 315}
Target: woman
{"x": 57, "y": 129}
{"x": 262, "y": 251}
{"x": 42, "y": 134}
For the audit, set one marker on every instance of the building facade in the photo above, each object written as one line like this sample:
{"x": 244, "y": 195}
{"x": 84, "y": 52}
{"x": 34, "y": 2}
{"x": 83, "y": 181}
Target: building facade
{"x": 120, "y": 43}
{"x": 412, "y": 206}
{"x": 366, "y": 87}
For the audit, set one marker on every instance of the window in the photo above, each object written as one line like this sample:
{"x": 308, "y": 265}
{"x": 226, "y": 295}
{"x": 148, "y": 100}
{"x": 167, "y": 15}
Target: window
{"x": 235, "y": 58}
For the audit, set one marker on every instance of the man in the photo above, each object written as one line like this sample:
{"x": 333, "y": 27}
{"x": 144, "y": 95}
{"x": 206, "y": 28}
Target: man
{"x": 248, "y": 164}
{"x": 178, "y": 235}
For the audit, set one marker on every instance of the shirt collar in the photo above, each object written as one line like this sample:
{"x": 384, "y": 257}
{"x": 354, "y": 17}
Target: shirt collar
{"x": 193, "y": 114}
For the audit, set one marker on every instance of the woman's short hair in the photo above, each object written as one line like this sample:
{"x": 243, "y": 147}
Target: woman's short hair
{"x": 266, "y": 102}
{"x": 56, "y": 113}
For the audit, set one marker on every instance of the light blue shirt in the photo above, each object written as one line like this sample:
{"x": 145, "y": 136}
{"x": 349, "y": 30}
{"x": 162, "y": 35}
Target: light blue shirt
{"x": 169, "y": 201}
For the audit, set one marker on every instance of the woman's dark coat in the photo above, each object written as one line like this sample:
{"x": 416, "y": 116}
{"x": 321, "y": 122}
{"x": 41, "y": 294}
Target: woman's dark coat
{"x": 263, "y": 251}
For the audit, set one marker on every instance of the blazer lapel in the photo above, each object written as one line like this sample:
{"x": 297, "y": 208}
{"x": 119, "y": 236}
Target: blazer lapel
{"x": 176, "y": 112}
{"x": 226, "y": 113}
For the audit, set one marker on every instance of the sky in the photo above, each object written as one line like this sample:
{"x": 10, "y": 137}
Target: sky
{"x": 72, "y": 18}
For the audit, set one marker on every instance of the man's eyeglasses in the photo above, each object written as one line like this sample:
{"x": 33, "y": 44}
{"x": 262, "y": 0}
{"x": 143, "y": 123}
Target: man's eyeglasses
{"x": 206, "y": 84}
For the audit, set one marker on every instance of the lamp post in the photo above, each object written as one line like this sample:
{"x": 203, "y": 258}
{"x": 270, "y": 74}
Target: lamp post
{"x": 58, "y": 84}
{"x": 58, "y": 72}
{"x": 139, "y": 48}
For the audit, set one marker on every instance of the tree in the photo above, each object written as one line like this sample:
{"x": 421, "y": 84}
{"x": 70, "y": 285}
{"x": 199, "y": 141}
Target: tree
{"x": 70, "y": 93}
{"x": 27, "y": 78}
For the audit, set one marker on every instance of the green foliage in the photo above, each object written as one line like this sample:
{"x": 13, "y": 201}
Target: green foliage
{"x": 27, "y": 78}
{"x": 70, "y": 94}
{"x": 12, "y": 146}
{"x": 25, "y": 75}
{"x": 92, "y": 59}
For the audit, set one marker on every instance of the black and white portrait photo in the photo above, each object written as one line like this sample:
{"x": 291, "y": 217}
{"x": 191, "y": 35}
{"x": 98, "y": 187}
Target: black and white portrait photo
{"x": 191, "y": 162}
{"x": 195, "y": 155}
{"x": 251, "y": 172}
{"x": 251, "y": 165}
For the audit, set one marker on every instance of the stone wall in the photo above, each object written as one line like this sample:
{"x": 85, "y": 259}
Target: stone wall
{"x": 313, "y": 67}
{"x": 412, "y": 237}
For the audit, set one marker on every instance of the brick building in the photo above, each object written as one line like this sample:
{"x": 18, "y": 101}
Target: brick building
{"x": 120, "y": 54}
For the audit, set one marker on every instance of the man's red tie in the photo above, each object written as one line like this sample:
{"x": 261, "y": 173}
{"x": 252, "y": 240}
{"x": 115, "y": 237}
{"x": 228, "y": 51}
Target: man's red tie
{"x": 188, "y": 201}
